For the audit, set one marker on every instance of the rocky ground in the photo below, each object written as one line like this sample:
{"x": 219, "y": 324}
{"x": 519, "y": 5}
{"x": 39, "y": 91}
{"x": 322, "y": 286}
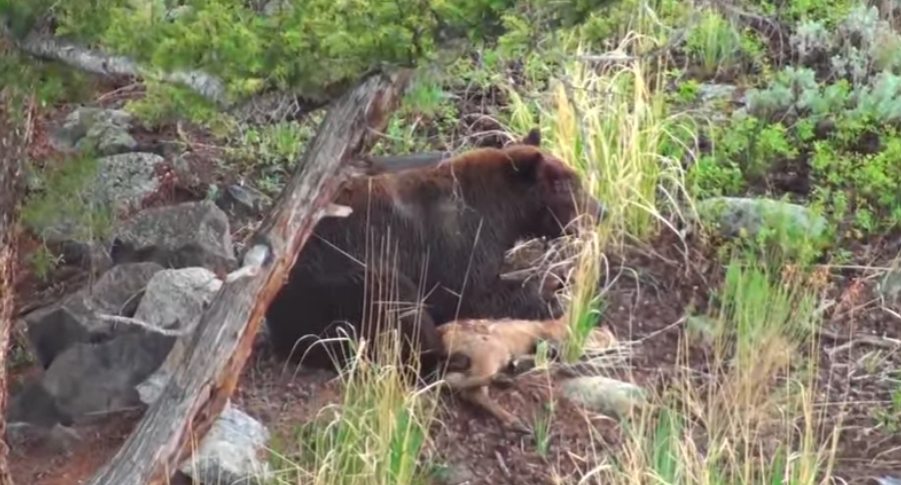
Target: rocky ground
{"x": 103, "y": 369}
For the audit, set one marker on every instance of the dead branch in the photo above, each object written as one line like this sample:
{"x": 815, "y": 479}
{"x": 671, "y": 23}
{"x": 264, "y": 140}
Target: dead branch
{"x": 206, "y": 375}
{"x": 98, "y": 62}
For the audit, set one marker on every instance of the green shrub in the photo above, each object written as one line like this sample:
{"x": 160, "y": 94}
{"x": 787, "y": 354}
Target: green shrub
{"x": 840, "y": 136}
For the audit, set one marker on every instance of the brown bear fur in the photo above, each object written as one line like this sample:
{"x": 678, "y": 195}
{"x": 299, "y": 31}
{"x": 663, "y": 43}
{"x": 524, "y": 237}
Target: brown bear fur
{"x": 433, "y": 216}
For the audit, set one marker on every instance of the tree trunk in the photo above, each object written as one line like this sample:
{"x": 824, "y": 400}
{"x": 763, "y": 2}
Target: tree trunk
{"x": 205, "y": 377}
{"x": 11, "y": 154}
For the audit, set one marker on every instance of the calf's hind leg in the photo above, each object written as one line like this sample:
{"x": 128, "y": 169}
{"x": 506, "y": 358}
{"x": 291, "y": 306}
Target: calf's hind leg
{"x": 479, "y": 397}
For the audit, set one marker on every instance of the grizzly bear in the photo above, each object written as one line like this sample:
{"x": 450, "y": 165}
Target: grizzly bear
{"x": 429, "y": 243}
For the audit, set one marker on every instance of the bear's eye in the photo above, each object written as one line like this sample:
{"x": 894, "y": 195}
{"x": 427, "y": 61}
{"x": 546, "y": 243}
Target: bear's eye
{"x": 562, "y": 186}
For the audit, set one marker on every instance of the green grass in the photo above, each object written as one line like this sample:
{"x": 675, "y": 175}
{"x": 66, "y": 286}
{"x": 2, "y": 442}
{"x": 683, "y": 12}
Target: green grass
{"x": 614, "y": 128}
{"x": 374, "y": 436}
{"x": 752, "y": 418}
{"x": 378, "y": 432}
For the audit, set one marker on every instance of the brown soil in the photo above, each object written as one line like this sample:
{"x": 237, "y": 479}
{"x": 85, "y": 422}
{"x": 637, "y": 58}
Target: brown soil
{"x": 41, "y": 463}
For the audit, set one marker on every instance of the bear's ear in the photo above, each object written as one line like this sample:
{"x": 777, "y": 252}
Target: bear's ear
{"x": 527, "y": 164}
{"x": 533, "y": 138}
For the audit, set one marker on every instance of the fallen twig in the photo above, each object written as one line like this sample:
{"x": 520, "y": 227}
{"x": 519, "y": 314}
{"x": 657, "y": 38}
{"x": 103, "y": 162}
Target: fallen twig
{"x": 852, "y": 339}
{"x": 140, "y": 323}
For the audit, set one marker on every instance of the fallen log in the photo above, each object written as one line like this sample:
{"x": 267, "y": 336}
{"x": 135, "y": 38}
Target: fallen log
{"x": 205, "y": 377}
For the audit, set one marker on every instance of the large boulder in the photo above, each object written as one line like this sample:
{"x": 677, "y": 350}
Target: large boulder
{"x": 55, "y": 328}
{"x": 177, "y": 236}
{"x": 175, "y": 300}
{"x": 90, "y": 379}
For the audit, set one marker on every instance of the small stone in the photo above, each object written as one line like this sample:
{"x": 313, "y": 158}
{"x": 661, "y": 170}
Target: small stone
{"x": 455, "y": 474}
{"x": 107, "y": 139}
{"x": 244, "y": 200}
{"x": 93, "y": 128}
{"x": 230, "y": 452}
{"x": 888, "y": 480}
{"x": 177, "y": 12}
{"x": 711, "y": 93}
{"x": 274, "y": 7}
{"x": 604, "y": 395}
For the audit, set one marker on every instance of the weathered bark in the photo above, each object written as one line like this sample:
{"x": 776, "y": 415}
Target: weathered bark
{"x": 11, "y": 155}
{"x": 207, "y": 375}
{"x": 98, "y": 62}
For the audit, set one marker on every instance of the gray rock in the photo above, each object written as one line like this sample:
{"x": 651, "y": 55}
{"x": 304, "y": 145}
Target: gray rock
{"x": 178, "y": 236}
{"x": 106, "y": 139}
{"x": 120, "y": 184}
{"x": 175, "y": 300}
{"x": 90, "y": 379}
{"x": 604, "y": 395}
{"x": 88, "y": 128}
{"x": 274, "y": 7}
{"x": 888, "y": 480}
{"x": 53, "y": 329}
{"x": 186, "y": 174}
{"x": 175, "y": 13}
{"x": 34, "y": 405}
{"x": 127, "y": 178}
{"x": 229, "y": 453}
{"x": 711, "y": 93}
{"x": 244, "y": 200}
{"x": 733, "y": 216}
{"x": 456, "y": 474}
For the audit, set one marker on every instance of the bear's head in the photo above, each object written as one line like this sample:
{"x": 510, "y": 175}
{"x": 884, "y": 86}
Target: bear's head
{"x": 555, "y": 198}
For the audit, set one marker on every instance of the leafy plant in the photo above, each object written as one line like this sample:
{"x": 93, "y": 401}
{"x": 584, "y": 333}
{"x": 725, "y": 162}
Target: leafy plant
{"x": 890, "y": 415}
{"x": 66, "y": 206}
